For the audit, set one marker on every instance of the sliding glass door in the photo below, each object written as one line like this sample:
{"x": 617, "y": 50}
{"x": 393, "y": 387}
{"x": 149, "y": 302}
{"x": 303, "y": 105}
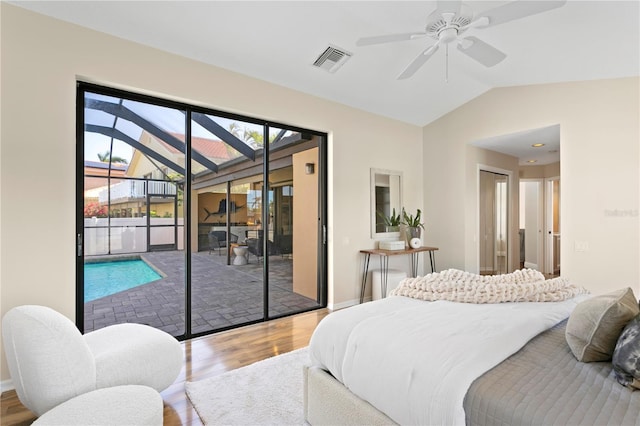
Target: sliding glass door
{"x": 227, "y": 290}
{"x": 178, "y": 194}
{"x": 292, "y": 220}
{"x": 131, "y": 233}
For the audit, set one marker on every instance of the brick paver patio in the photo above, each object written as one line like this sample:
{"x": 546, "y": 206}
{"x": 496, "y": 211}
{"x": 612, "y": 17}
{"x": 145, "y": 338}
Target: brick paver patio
{"x": 222, "y": 295}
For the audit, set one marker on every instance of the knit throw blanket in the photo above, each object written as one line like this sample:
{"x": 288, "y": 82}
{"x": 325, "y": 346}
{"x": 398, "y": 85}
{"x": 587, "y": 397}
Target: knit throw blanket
{"x": 525, "y": 285}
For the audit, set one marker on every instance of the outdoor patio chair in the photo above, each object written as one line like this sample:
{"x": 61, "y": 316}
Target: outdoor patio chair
{"x": 255, "y": 247}
{"x": 284, "y": 244}
{"x": 218, "y": 240}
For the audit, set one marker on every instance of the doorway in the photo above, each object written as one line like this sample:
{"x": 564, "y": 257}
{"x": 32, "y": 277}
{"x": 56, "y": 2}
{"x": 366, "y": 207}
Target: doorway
{"x": 540, "y": 225}
{"x": 552, "y": 226}
{"x": 493, "y": 215}
{"x": 162, "y": 221}
{"x": 532, "y": 224}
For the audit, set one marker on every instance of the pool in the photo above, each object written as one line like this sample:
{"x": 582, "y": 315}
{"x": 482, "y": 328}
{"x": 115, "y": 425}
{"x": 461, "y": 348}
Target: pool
{"x": 105, "y": 278}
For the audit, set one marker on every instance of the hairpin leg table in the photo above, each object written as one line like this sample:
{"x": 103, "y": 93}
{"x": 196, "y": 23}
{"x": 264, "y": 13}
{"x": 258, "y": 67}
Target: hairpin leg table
{"x": 384, "y": 263}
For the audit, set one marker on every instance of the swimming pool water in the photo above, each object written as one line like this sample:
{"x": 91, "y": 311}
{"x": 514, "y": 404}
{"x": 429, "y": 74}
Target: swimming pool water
{"x": 106, "y": 278}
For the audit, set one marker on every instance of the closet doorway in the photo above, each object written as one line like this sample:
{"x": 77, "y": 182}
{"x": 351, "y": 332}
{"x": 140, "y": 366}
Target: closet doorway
{"x": 494, "y": 224}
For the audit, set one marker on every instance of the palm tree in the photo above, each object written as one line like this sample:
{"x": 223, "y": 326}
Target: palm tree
{"x": 253, "y": 137}
{"x": 104, "y": 158}
{"x": 234, "y": 129}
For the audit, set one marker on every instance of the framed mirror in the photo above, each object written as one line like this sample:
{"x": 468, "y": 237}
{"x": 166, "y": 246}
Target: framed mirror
{"x": 386, "y": 195}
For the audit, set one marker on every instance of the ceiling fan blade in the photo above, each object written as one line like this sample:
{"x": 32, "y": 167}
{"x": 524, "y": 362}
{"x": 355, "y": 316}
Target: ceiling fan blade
{"x": 418, "y": 62}
{"x": 388, "y": 38}
{"x": 482, "y": 52}
{"x": 518, "y": 9}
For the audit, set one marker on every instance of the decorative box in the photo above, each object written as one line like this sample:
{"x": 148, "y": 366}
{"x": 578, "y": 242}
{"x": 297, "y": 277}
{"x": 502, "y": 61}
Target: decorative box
{"x": 391, "y": 245}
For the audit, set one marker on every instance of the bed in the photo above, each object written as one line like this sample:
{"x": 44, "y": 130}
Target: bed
{"x": 405, "y": 361}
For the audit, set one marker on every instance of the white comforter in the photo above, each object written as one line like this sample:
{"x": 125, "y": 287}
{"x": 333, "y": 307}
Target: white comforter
{"x": 415, "y": 360}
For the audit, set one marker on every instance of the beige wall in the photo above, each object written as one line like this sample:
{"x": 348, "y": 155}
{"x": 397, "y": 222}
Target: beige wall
{"x": 41, "y": 60}
{"x": 599, "y": 151}
{"x": 536, "y": 172}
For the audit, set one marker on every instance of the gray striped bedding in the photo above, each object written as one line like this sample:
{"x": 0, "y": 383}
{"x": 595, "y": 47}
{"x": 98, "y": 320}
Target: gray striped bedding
{"x": 543, "y": 384}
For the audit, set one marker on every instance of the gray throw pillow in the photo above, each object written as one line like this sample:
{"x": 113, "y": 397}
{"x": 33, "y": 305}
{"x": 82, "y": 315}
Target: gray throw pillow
{"x": 626, "y": 356}
{"x": 595, "y": 324}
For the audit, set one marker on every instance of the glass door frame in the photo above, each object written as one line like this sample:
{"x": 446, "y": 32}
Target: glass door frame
{"x": 82, "y": 87}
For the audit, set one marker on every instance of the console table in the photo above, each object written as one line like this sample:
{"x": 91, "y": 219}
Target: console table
{"x": 384, "y": 263}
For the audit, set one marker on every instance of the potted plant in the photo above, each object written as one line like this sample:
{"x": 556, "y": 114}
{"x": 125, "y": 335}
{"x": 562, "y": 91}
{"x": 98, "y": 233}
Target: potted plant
{"x": 392, "y": 222}
{"x": 412, "y": 224}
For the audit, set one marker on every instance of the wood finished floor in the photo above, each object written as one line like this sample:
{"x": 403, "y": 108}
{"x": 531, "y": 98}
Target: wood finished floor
{"x": 207, "y": 357}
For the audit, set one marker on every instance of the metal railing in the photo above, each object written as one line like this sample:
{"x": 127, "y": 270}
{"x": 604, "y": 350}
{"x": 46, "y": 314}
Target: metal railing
{"x": 136, "y": 189}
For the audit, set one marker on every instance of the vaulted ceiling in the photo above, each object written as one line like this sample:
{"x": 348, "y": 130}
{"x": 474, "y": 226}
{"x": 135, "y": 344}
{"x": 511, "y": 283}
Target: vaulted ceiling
{"x": 279, "y": 41}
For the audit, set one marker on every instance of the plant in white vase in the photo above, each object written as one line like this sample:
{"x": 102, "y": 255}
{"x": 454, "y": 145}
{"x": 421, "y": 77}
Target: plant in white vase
{"x": 412, "y": 224}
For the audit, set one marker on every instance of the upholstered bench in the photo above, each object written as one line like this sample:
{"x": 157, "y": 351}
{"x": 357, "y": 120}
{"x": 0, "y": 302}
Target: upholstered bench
{"x": 119, "y": 405}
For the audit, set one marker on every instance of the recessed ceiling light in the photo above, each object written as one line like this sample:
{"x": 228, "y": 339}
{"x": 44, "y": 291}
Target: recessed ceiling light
{"x": 537, "y": 145}
{"x": 532, "y": 161}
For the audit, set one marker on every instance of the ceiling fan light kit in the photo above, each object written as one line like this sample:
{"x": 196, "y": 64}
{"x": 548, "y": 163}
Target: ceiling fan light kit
{"x": 451, "y": 20}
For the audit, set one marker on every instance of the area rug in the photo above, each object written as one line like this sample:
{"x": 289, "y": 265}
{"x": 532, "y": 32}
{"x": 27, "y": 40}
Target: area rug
{"x": 268, "y": 392}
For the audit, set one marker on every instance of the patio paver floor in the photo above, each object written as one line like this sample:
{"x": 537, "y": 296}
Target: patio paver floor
{"x": 221, "y": 295}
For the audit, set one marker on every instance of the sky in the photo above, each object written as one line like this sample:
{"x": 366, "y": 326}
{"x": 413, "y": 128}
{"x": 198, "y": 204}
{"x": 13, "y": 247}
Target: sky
{"x": 168, "y": 119}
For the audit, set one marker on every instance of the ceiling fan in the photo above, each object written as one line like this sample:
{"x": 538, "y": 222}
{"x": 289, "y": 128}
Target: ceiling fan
{"x": 451, "y": 20}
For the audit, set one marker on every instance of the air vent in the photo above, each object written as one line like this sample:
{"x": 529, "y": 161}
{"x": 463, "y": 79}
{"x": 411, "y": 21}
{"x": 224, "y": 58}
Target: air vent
{"x": 332, "y": 58}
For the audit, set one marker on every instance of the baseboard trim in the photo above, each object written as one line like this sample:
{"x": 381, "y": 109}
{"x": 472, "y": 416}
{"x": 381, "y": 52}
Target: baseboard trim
{"x": 346, "y": 304}
{"x": 530, "y": 265}
{"x": 6, "y": 385}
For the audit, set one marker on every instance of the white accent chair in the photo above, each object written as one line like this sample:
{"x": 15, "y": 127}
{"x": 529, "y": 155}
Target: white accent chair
{"x": 119, "y": 405}
{"x": 51, "y": 362}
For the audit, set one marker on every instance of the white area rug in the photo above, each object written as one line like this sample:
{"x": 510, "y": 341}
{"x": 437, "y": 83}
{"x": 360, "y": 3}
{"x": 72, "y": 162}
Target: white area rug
{"x": 269, "y": 392}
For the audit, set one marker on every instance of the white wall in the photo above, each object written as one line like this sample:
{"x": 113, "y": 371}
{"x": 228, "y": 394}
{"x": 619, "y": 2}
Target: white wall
{"x": 41, "y": 60}
{"x": 600, "y": 158}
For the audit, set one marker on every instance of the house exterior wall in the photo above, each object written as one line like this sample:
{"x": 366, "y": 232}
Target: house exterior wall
{"x": 305, "y": 218}
{"x": 42, "y": 58}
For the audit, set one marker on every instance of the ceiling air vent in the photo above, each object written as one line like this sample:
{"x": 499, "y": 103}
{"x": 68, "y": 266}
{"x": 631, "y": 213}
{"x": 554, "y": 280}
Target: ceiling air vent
{"x": 332, "y": 58}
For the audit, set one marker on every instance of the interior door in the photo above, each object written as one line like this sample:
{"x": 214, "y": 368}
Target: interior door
{"x": 493, "y": 223}
{"x": 552, "y": 228}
